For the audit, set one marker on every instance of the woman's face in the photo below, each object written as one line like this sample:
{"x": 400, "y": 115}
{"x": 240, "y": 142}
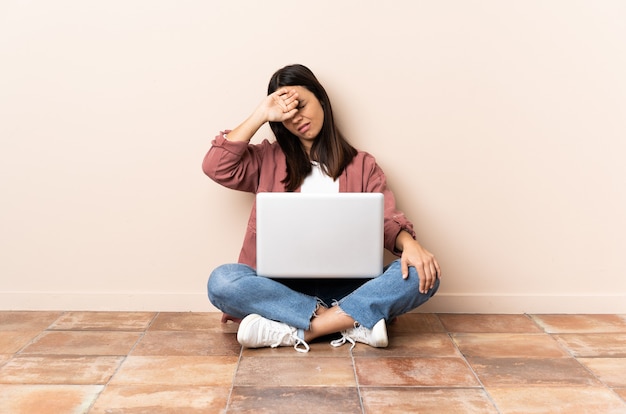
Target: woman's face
{"x": 307, "y": 123}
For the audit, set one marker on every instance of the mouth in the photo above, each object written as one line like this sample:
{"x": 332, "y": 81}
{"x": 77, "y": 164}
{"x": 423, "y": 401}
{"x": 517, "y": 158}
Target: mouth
{"x": 304, "y": 128}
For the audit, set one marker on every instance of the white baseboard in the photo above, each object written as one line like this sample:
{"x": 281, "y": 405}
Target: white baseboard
{"x": 198, "y": 302}
{"x": 532, "y": 304}
{"x": 113, "y": 301}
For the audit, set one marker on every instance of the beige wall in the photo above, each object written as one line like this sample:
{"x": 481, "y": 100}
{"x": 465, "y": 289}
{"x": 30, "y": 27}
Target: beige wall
{"x": 501, "y": 126}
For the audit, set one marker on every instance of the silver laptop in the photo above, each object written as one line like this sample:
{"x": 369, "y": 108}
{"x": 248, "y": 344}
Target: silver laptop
{"x": 319, "y": 235}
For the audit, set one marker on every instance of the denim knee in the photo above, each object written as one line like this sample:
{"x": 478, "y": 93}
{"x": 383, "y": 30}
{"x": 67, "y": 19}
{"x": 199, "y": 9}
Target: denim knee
{"x": 219, "y": 285}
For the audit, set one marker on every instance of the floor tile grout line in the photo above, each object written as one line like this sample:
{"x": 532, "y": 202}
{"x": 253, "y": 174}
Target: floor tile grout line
{"x": 587, "y": 369}
{"x": 124, "y": 358}
{"x": 41, "y": 332}
{"x": 553, "y": 335}
{"x": 531, "y": 317}
{"x": 618, "y": 395}
{"x": 569, "y": 354}
{"x": 63, "y": 313}
{"x": 482, "y": 386}
{"x": 604, "y": 385}
{"x": 230, "y": 406}
{"x": 356, "y": 381}
{"x": 232, "y": 384}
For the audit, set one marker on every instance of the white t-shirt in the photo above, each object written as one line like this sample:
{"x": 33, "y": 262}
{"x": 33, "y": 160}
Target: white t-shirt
{"x": 318, "y": 182}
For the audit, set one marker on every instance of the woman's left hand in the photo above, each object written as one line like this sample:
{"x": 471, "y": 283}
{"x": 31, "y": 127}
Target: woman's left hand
{"x": 413, "y": 254}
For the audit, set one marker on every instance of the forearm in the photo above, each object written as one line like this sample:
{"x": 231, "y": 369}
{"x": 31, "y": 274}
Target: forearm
{"x": 246, "y": 130}
{"x": 277, "y": 107}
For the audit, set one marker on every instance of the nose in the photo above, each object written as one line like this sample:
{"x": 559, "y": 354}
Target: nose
{"x": 296, "y": 118}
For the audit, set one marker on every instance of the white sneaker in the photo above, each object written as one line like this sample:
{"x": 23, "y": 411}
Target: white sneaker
{"x": 256, "y": 331}
{"x": 376, "y": 337}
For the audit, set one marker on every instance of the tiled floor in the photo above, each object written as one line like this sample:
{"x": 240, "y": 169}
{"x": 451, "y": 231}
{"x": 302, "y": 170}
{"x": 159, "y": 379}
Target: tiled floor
{"x": 108, "y": 362}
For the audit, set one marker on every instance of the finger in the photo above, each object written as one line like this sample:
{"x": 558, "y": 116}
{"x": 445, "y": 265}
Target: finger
{"x": 280, "y": 95}
{"x": 430, "y": 277}
{"x": 424, "y": 279}
{"x": 433, "y": 278}
{"x": 293, "y": 104}
{"x": 289, "y": 104}
{"x": 292, "y": 100}
{"x": 405, "y": 268}
{"x": 284, "y": 91}
{"x": 278, "y": 101}
{"x": 290, "y": 114}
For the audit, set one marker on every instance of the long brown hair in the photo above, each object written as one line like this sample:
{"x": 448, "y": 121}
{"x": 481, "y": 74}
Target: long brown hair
{"x": 330, "y": 149}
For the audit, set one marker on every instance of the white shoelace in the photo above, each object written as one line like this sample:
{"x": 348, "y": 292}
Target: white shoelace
{"x": 357, "y": 334}
{"x": 299, "y": 341}
{"x": 282, "y": 339}
{"x": 344, "y": 338}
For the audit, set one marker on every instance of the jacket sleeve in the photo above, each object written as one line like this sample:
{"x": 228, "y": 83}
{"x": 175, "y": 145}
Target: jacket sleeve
{"x": 235, "y": 165}
{"x": 395, "y": 220}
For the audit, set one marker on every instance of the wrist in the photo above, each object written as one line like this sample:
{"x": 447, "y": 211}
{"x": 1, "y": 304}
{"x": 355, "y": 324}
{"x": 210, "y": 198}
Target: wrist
{"x": 258, "y": 118}
{"x": 402, "y": 239}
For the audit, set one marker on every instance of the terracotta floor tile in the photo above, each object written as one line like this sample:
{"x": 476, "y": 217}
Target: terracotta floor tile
{"x": 192, "y": 321}
{"x": 414, "y": 372}
{"x": 426, "y": 400}
{"x": 59, "y": 370}
{"x": 295, "y": 371}
{"x": 621, "y": 392}
{"x": 190, "y": 362}
{"x": 26, "y": 320}
{"x": 486, "y": 323}
{"x": 47, "y": 399}
{"x": 581, "y": 323}
{"x": 103, "y": 321}
{"x": 556, "y": 400}
{"x": 228, "y": 327}
{"x": 531, "y": 371}
{"x": 318, "y": 350}
{"x": 83, "y": 343}
{"x": 411, "y": 345}
{"x": 290, "y": 400}
{"x": 416, "y": 323}
{"x": 594, "y": 345}
{"x": 13, "y": 341}
{"x": 187, "y": 343}
{"x": 161, "y": 399}
{"x": 179, "y": 370}
{"x": 611, "y": 371}
{"x": 4, "y": 358}
{"x": 509, "y": 345}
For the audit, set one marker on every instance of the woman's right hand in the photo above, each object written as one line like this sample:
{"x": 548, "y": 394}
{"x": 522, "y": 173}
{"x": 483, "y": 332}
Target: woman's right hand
{"x": 276, "y": 107}
{"x": 280, "y": 105}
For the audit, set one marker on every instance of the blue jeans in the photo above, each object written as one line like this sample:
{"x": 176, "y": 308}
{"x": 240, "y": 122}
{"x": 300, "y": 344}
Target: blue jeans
{"x": 236, "y": 289}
